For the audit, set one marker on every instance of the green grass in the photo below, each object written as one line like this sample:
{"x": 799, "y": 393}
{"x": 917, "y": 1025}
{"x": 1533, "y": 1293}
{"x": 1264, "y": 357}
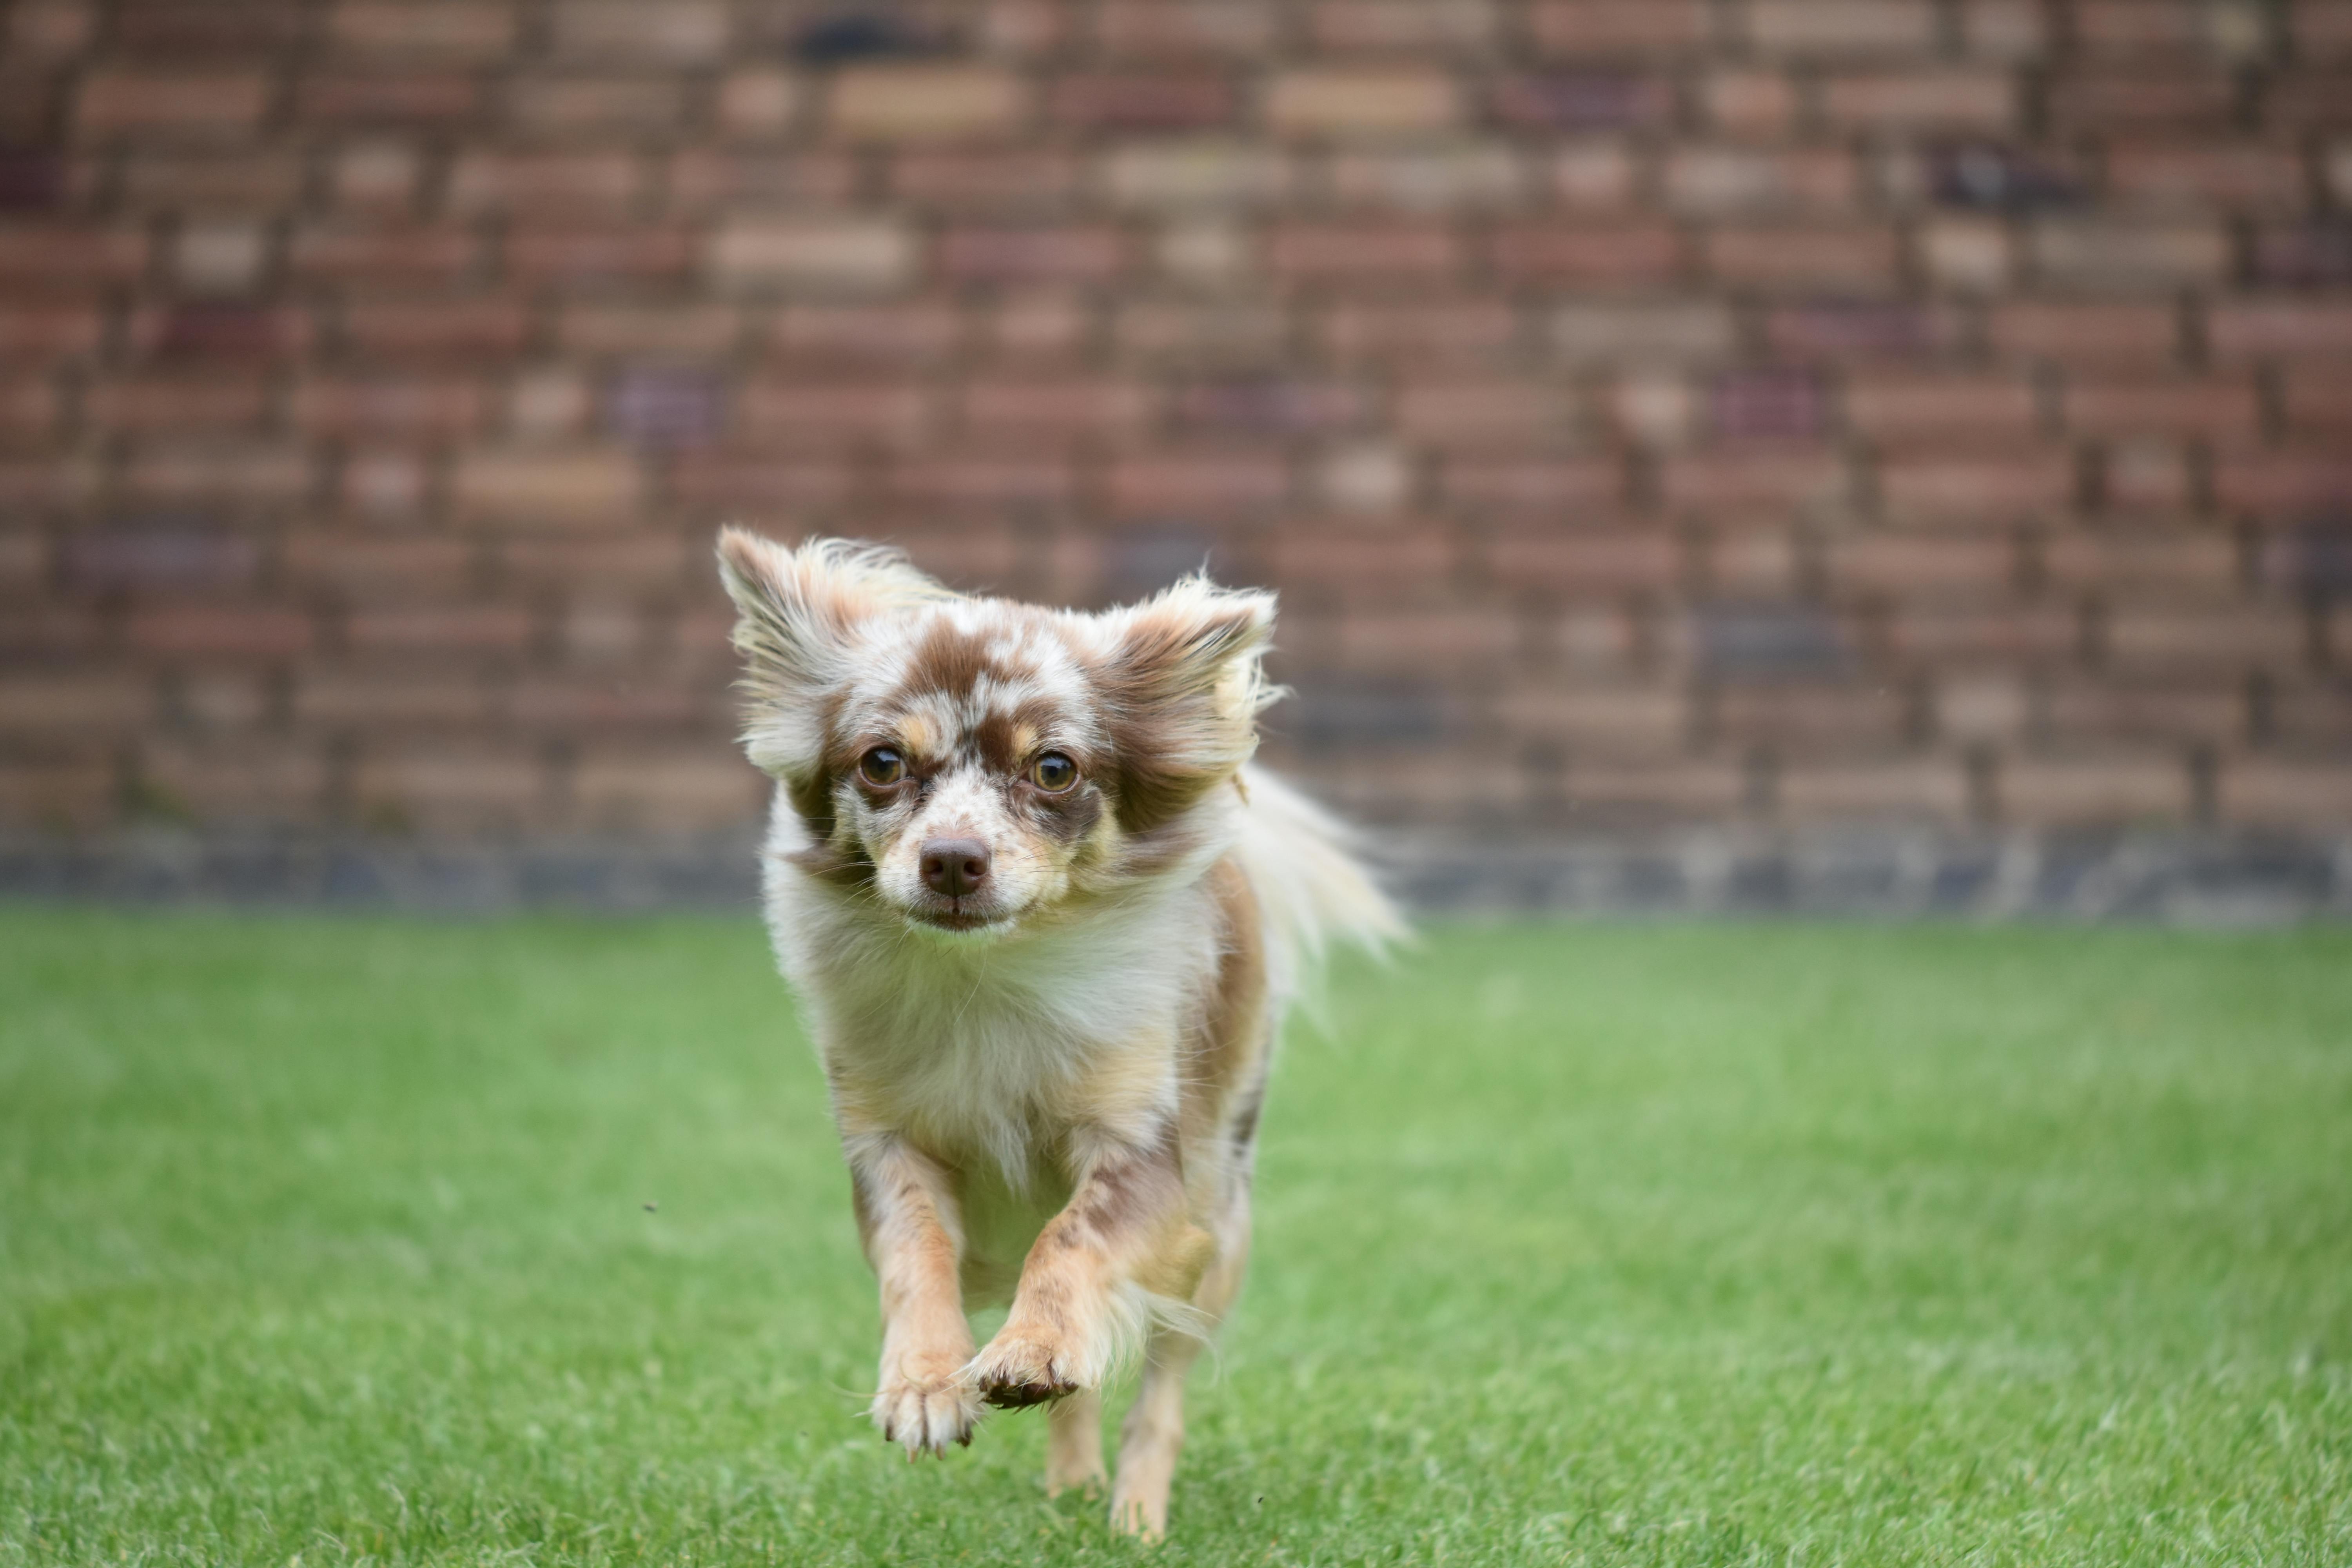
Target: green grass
{"x": 329, "y": 1240}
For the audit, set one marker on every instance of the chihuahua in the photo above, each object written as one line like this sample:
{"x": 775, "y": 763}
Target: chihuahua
{"x": 1043, "y": 918}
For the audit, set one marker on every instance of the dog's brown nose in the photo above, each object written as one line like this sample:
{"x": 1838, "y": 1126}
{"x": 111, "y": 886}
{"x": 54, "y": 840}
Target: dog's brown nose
{"x": 954, "y": 867}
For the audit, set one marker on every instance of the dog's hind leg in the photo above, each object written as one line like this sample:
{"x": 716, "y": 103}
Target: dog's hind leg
{"x": 1153, "y": 1434}
{"x": 1074, "y": 1461}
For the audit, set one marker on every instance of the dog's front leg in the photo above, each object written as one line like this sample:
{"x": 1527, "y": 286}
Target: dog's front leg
{"x": 1080, "y": 1301}
{"x": 906, "y": 1217}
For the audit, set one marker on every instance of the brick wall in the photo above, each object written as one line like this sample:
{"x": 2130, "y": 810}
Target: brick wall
{"x": 1797, "y": 412}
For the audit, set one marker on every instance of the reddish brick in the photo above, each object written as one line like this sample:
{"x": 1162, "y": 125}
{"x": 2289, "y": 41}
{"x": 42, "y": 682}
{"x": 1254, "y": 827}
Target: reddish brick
{"x": 846, "y": 253}
{"x": 2086, "y": 331}
{"x": 1608, "y": 29}
{"x": 924, "y": 102}
{"x": 1216, "y": 482}
{"x": 1926, "y": 789}
{"x": 1909, "y": 410}
{"x": 1955, "y": 99}
{"x": 484, "y": 181}
{"x": 2213, "y": 409}
{"x": 2250, "y": 329}
{"x": 1339, "y": 104}
{"x": 469, "y": 31}
{"x": 1993, "y": 486}
{"x": 1135, "y": 101}
{"x": 220, "y": 631}
{"x": 836, "y": 413}
{"x": 1091, "y": 253}
{"x": 580, "y": 488}
{"x": 1853, "y": 255}
{"x": 122, "y": 101}
{"x": 2280, "y": 792}
{"x": 407, "y": 99}
{"x": 426, "y": 328}
{"x": 403, "y": 255}
{"x": 1585, "y": 253}
{"x": 2049, "y": 792}
{"x": 1341, "y": 252}
{"x": 1751, "y": 480}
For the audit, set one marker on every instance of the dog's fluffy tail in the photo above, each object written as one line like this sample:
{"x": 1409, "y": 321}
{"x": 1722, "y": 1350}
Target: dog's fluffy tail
{"x": 1302, "y": 863}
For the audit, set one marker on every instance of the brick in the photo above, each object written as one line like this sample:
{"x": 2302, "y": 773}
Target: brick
{"x": 667, "y": 793}
{"x": 678, "y": 32}
{"x": 925, "y": 102}
{"x": 232, "y": 476}
{"x": 835, "y": 414}
{"x": 217, "y": 400}
{"x": 1922, "y": 563}
{"x": 579, "y": 488}
{"x": 1586, "y": 253}
{"x": 757, "y": 103}
{"x": 1953, "y": 100}
{"x": 2109, "y": 255}
{"x": 378, "y": 99}
{"x": 1364, "y": 251}
{"x": 220, "y": 631}
{"x": 2255, "y": 329}
{"x": 2283, "y": 481}
{"x": 1552, "y": 487}
{"x": 1986, "y": 487}
{"x": 1212, "y": 482}
{"x": 448, "y": 789}
{"x": 1841, "y": 28}
{"x": 410, "y": 255}
{"x": 541, "y": 106}
{"x": 472, "y": 32}
{"x": 1614, "y": 28}
{"x": 2086, "y": 332}
{"x": 1924, "y": 789}
{"x": 1907, "y": 410}
{"x": 2224, "y": 408}
{"x": 1184, "y": 28}
{"x": 842, "y": 253}
{"x": 44, "y": 253}
{"x": 410, "y": 329}
{"x": 1853, "y": 255}
{"x": 1583, "y": 101}
{"x": 2036, "y": 792}
{"x": 2163, "y": 99}
{"x": 1056, "y": 408}
{"x": 1738, "y": 481}
{"x": 1342, "y": 104}
{"x": 2277, "y": 792}
{"x": 1067, "y": 253}
{"x": 2211, "y": 640}
{"x": 2204, "y": 561}
{"x": 1710, "y": 180}
{"x": 1643, "y": 331}
{"x": 542, "y": 254}
{"x": 487, "y": 182}
{"x": 1108, "y": 102}
{"x": 123, "y": 101}
{"x": 2238, "y": 176}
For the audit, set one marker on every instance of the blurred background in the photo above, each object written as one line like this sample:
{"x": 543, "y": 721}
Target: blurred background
{"x": 1748, "y": 453}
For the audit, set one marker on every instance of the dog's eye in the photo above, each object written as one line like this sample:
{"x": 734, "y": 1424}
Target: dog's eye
{"x": 1052, "y": 772}
{"x": 881, "y": 766}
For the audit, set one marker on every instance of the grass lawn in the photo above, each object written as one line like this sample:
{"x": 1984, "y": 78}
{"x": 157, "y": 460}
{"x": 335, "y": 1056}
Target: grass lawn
{"x": 337, "y": 1240}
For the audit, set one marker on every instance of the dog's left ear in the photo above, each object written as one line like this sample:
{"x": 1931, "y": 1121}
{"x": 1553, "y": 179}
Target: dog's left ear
{"x": 1183, "y": 684}
{"x": 797, "y": 615}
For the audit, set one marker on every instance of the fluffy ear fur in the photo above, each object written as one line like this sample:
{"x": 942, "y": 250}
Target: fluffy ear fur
{"x": 797, "y": 614}
{"x": 1183, "y": 685}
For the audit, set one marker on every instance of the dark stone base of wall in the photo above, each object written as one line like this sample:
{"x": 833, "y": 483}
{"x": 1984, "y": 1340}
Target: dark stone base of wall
{"x": 2198, "y": 880}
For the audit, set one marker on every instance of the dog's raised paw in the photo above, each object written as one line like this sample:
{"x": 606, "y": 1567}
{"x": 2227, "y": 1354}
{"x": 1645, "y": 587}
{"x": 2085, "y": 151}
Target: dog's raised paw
{"x": 1015, "y": 1372}
{"x": 925, "y": 1414}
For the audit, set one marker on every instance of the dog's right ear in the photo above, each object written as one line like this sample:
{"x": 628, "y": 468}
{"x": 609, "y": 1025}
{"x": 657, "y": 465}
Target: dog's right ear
{"x": 797, "y": 612}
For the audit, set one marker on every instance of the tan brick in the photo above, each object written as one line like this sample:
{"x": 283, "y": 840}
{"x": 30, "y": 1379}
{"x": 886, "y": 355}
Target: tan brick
{"x": 925, "y": 103}
{"x": 842, "y": 253}
{"x": 1342, "y": 104}
{"x": 579, "y": 488}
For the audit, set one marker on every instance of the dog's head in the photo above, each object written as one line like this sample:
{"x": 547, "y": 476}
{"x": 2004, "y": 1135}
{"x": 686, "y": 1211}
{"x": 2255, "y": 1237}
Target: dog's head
{"x": 975, "y": 765}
